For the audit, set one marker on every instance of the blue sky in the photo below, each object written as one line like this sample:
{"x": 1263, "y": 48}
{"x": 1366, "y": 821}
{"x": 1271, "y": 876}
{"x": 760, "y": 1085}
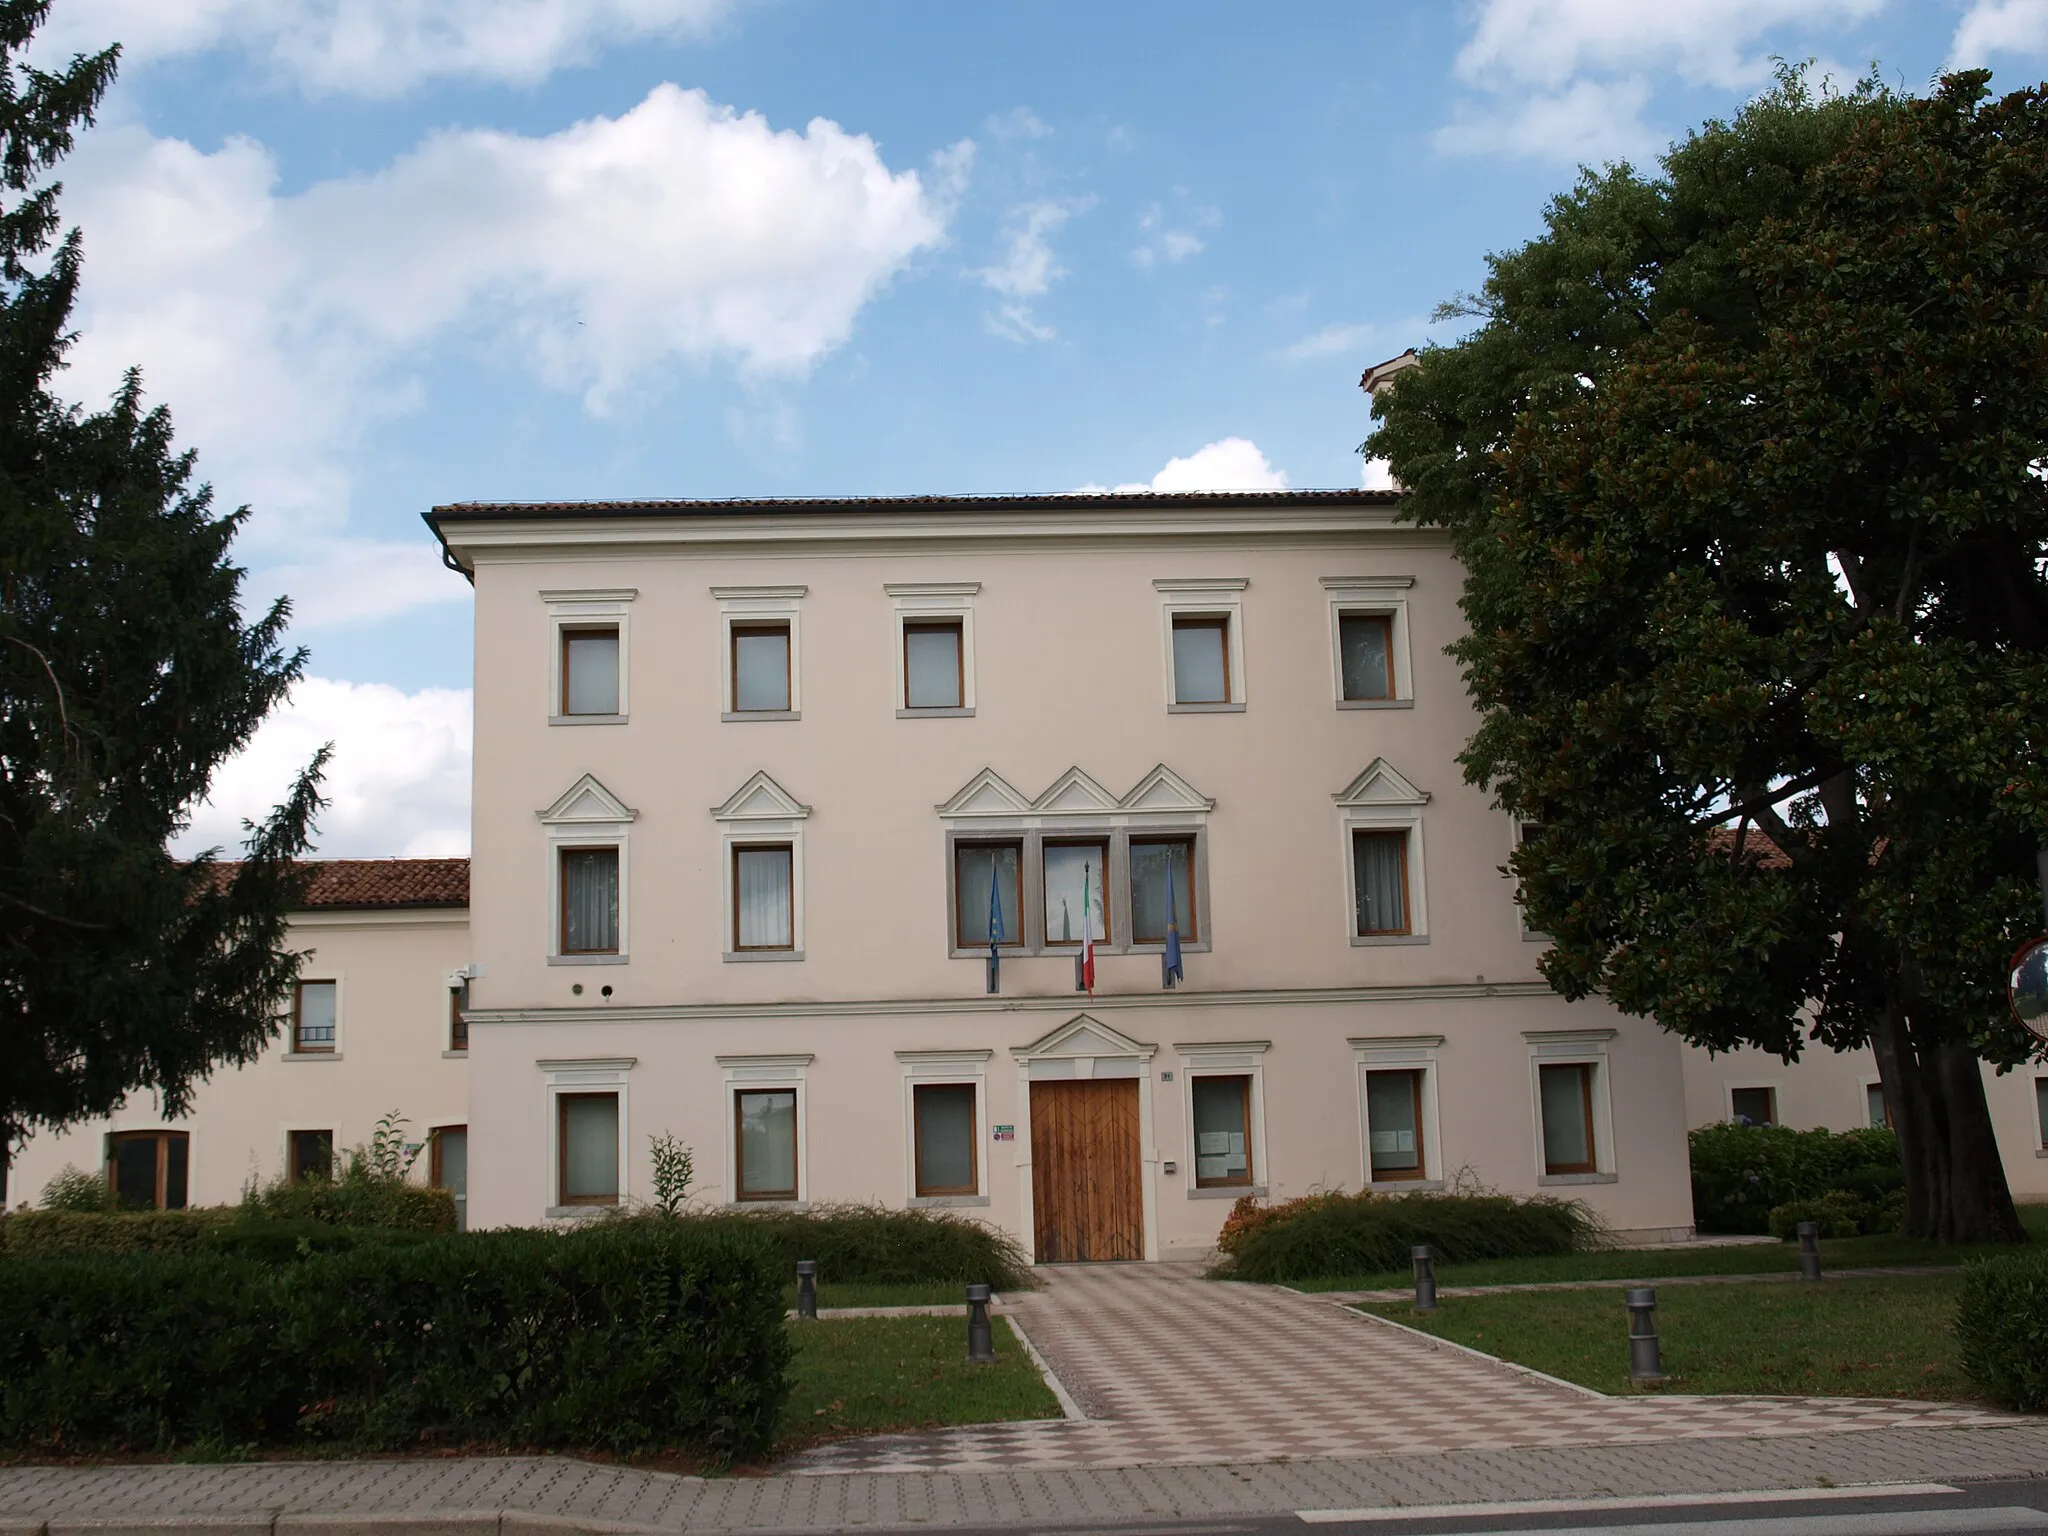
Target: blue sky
{"x": 377, "y": 254}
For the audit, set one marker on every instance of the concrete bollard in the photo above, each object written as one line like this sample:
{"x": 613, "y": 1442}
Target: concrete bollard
{"x": 1425, "y": 1276}
{"x": 1644, "y": 1361}
{"x": 981, "y": 1334}
{"x": 1809, "y": 1250}
{"x": 807, "y": 1288}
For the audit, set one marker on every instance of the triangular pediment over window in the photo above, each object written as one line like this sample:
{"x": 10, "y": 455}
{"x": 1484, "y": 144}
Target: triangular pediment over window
{"x": 761, "y": 799}
{"x": 1082, "y": 1036}
{"x": 1078, "y": 793}
{"x": 1073, "y": 793}
{"x": 1381, "y": 784}
{"x": 987, "y": 794}
{"x": 1164, "y": 790}
{"x": 587, "y": 802}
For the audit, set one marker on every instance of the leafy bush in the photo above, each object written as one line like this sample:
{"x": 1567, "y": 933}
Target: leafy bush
{"x": 73, "y": 1189}
{"x": 1741, "y": 1172}
{"x": 2002, "y": 1329}
{"x": 359, "y": 1198}
{"x": 1367, "y": 1233}
{"x": 627, "y": 1337}
{"x": 46, "y": 1234}
{"x": 1841, "y": 1213}
{"x": 1247, "y": 1216}
{"x": 871, "y": 1245}
{"x": 286, "y": 1242}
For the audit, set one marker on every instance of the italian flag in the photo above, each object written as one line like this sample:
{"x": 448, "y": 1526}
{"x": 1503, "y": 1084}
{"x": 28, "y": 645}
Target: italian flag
{"x": 1087, "y": 935}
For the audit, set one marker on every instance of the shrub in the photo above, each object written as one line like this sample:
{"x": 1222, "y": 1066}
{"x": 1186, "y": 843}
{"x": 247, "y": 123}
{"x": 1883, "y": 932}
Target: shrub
{"x": 1248, "y": 1216}
{"x": 359, "y": 1198}
{"x": 1838, "y": 1214}
{"x": 47, "y": 1234}
{"x": 870, "y": 1245}
{"x": 1741, "y": 1173}
{"x": 1368, "y": 1234}
{"x": 73, "y": 1189}
{"x": 2002, "y": 1329}
{"x": 631, "y": 1337}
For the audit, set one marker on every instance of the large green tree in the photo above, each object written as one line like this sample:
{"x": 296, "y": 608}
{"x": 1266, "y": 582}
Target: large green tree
{"x": 126, "y": 675}
{"x": 1745, "y": 463}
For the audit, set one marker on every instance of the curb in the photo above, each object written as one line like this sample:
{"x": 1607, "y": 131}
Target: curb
{"x": 459, "y": 1522}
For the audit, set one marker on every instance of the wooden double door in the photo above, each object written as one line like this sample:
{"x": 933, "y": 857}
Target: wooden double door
{"x": 1087, "y": 1200}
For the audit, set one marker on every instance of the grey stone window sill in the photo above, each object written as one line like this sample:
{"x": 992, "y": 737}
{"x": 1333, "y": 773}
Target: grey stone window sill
{"x": 1578, "y": 1178}
{"x": 2043, "y": 1152}
{"x": 312, "y": 1055}
{"x": 938, "y": 1202}
{"x": 1531, "y": 936}
{"x": 587, "y": 959}
{"x": 1376, "y": 940}
{"x": 1405, "y": 1186}
{"x": 742, "y": 716}
{"x": 1205, "y": 709}
{"x": 586, "y": 719}
{"x": 959, "y": 712}
{"x": 1375, "y": 703}
{"x": 755, "y": 956}
{"x": 1227, "y": 1191}
{"x": 455, "y": 1055}
{"x": 769, "y": 1205}
{"x": 578, "y": 1212}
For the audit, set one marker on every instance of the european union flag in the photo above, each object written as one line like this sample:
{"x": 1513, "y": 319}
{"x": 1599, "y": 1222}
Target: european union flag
{"x": 995, "y": 930}
{"x": 1169, "y": 963}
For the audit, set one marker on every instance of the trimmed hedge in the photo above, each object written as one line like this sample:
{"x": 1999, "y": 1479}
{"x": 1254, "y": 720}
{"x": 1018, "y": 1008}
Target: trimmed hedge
{"x": 870, "y": 1245}
{"x": 2002, "y": 1329}
{"x": 1367, "y": 1234}
{"x": 47, "y": 1234}
{"x": 1740, "y": 1172}
{"x": 622, "y": 1338}
{"x": 354, "y": 1201}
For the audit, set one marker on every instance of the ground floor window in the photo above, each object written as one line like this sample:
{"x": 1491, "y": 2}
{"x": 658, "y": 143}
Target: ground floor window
{"x": 309, "y": 1155}
{"x": 1223, "y": 1130}
{"x": 1753, "y": 1106}
{"x": 587, "y": 1139}
{"x": 946, "y": 1139}
{"x": 1566, "y": 1092}
{"x": 448, "y": 1166}
{"x": 1876, "y": 1111}
{"x": 2041, "y": 1109}
{"x": 147, "y": 1169}
{"x": 1393, "y": 1124}
{"x": 766, "y": 1143}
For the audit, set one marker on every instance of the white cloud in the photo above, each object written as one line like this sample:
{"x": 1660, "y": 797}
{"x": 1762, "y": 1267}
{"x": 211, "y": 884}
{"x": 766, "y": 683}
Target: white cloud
{"x": 1028, "y": 268}
{"x": 1378, "y": 475}
{"x": 1228, "y": 464}
{"x": 280, "y": 327}
{"x": 397, "y": 786}
{"x": 1163, "y": 243}
{"x": 1330, "y": 339}
{"x": 1569, "y": 79}
{"x": 353, "y": 581}
{"x": 1999, "y": 26}
{"x": 1018, "y": 123}
{"x": 380, "y": 48}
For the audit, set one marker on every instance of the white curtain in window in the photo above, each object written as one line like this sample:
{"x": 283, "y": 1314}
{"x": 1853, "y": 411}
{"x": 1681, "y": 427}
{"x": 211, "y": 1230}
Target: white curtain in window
{"x": 1379, "y": 861}
{"x": 316, "y": 1014}
{"x": 590, "y": 901}
{"x": 590, "y": 1146}
{"x": 768, "y": 1144}
{"x": 591, "y": 661}
{"x": 765, "y": 909}
{"x": 1200, "y": 673}
{"x": 976, "y": 865}
{"x": 760, "y": 678}
{"x": 1065, "y": 866}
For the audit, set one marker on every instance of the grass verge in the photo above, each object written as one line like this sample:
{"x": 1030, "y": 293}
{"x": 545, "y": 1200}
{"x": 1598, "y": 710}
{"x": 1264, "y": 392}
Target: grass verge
{"x": 852, "y": 1294}
{"x": 1650, "y": 1264}
{"x": 868, "y": 1375}
{"x": 1883, "y": 1337}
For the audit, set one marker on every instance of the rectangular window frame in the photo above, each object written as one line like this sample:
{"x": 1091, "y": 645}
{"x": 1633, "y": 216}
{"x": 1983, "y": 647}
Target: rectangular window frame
{"x": 1110, "y": 927}
{"x": 757, "y": 608}
{"x": 2041, "y": 1115}
{"x": 563, "y": 1199}
{"x": 1198, "y": 599}
{"x": 1192, "y": 923}
{"x": 576, "y": 1075}
{"x": 933, "y": 602}
{"x": 295, "y": 1049}
{"x": 437, "y": 1174}
{"x": 945, "y": 1069}
{"x": 1402, "y": 1053}
{"x": 1119, "y": 834}
{"x": 1025, "y": 884}
{"x": 1401, "y": 838}
{"x": 926, "y": 1191}
{"x": 766, "y": 1074}
{"x": 458, "y": 1016}
{"x": 586, "y": 609}
{"x": 294, "y": 1169}
{"x": 1877, "y": 1084}
{"x": 1381, "y": 597}
{"x": 567, "y": 635}
{"x": 562, "y": 848}
{"x": 1521, "y": 834}
{"x": 1251, "y": 1168}
{"x": 1395, "y": 819}
{"x": 1769, "y": 1089}
{"x": 735, "y": 848}
{"x": 1419, "y": 1084}
{"x": 1587, "y": 1048}
{"x": 761, "y": 832}
{"x": 1224, "y": 1058}
{"x": 163, "y": 1139}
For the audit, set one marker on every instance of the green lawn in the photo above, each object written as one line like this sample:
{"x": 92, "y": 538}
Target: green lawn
{"x": 927, "y": 1294}
{"x": 1884, "y": 1337}
{"x": 864, "y": 1375}
{"x": 1737, "y": 1259}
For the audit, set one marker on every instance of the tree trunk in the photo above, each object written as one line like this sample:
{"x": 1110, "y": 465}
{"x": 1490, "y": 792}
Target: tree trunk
{"x": 1955, "y": 1183}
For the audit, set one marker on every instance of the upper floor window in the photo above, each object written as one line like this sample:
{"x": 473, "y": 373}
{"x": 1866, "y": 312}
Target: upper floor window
{"x": 590, "y": 671}
{"x": 590, "y": 901}
{"x": 1201, "y": 659}
{"x": 931, "y": 664}
{"x": 934, "y": 646}
{"x": 1379, "y": 869}
{"x": 1369, "y": 640}
{"x": 458, "y": 1017}
{"x": 314, "y": 1016}
{"x": 1163, "y": 889}
{"x": 988, "y": 884}
{"x": 760, "y": 669}
{"x": 1074, "y": 881}
{"x": 1365, "y": 644}
{"x": 764, "y": 906}
{"x": 1204, "y": 643}
{"x": 1383, "y": 857}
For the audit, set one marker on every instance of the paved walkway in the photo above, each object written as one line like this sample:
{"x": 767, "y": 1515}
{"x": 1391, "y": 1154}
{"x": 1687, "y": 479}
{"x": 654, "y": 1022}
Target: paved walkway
{"x": 1173, "y": 1369}
{"x": 1762, "y": 1277}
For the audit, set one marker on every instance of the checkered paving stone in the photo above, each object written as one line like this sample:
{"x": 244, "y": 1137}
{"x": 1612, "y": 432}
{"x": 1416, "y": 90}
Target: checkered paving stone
{"x": 1172, "y": 1369}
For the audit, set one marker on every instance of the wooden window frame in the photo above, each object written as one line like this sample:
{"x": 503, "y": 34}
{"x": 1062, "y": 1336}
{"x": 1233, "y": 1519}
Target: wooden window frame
{"x": 458, "y": 1019}
{"x": 162, "y": 1140}
{"x": 299, "y": 1046}
{"x": 571, "y": 632}
{"x": 1190, "y": 922}
{"x": 292, "y": 1167}
{"x": 1586, "y": 1071}
{"x": 1251, "y": 1173}
{"x": 739, "y": 629}
{"x": 1220, "y": 622}
{"x": 740, "y": 1194}
{"x": 784, "y": 846}
{"x": 957, "y": 627}
{"x": 434, "y": 1135}
{"x": 562, "y": 852}
{"x": 1073, "y": 946}
{"x": 1407, "y": 928}
{"x": 1769, "y": 1092}
{"x": 1386, "y": 623}
{"x": 960, "y": 940}
{"x": 562, "y": 1102}
{"x": 938, "y": 1191}
{"x": 1415, "y": 1076}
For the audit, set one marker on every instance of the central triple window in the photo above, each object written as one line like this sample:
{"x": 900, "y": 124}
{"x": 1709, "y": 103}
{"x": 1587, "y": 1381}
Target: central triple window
{"x": 1043, "y": 892}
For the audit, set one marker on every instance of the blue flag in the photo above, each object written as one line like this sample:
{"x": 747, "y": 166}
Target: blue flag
{"x": 995, "y": 930}
{"x": 1169, "y": 963}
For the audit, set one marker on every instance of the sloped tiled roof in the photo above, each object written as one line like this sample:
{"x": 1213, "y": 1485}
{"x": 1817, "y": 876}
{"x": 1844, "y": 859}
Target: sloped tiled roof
{"x": 1054, "y": 501}
{"x": 1756, "y": 845}
{"x": 368, "y": 884}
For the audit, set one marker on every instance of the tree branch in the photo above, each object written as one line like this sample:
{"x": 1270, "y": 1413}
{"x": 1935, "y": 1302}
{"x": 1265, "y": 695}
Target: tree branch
{"x": 55, "y": 917}
{"x": 1765, "y": 799}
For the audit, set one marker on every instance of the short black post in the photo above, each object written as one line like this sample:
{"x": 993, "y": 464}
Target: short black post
{"x": 807, "y": 1288}
{"x": 1809, "y": 1250}
{"x": 1425, "y": 1276}
{"x": 981, "y": 1338}
{"x": 1644, "y": 1362}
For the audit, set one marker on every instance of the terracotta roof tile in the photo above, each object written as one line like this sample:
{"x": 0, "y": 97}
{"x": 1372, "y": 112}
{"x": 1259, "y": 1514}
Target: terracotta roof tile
{"x": 1755, "y": 845}
{"x": 366, "y": 884}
